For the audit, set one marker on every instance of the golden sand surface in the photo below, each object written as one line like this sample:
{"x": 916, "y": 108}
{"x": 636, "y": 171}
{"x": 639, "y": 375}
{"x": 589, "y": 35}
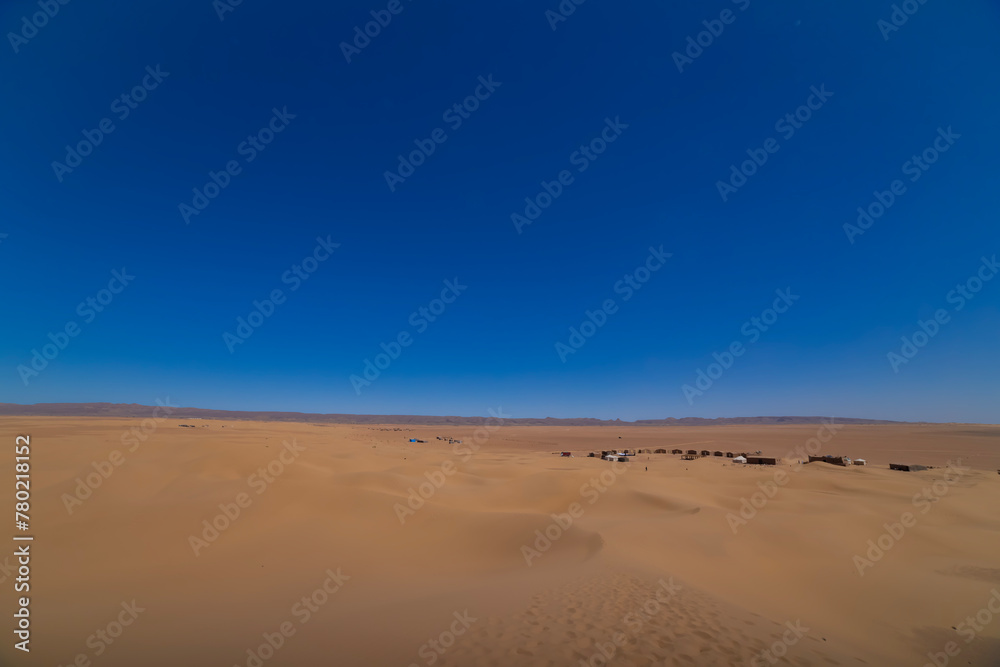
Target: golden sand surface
{"x": 349, "y": 545}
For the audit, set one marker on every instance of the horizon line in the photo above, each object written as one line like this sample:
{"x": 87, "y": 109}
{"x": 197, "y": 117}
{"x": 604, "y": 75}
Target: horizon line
{"x": 11, "y": 409}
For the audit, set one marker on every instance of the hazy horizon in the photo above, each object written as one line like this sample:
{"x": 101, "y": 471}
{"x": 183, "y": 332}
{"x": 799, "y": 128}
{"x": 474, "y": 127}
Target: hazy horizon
{"x": 500, "y": 411}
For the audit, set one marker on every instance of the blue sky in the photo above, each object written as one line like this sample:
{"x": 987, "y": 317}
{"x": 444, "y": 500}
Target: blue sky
{"x": 551, "y": 92}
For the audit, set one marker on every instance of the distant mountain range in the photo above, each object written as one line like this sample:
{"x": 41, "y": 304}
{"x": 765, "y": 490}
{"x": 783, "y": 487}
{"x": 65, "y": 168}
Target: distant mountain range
{"x": 136, "y": 411}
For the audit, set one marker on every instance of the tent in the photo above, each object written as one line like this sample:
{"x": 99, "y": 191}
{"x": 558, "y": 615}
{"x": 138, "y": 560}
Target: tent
{"x": 740, "y": 459}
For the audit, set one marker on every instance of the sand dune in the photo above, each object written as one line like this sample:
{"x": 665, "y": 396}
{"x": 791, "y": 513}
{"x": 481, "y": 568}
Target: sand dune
{"x": 503, "y": 553}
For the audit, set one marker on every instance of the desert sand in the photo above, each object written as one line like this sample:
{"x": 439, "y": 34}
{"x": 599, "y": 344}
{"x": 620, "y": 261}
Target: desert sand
{"x": 512, "y": 555}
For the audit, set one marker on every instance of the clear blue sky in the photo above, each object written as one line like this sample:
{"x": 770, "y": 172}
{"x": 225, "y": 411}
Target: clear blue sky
{"x": 656, "y": 184}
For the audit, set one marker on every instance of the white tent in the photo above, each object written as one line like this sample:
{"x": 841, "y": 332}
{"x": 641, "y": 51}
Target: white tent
{"x": 740, "y": 459}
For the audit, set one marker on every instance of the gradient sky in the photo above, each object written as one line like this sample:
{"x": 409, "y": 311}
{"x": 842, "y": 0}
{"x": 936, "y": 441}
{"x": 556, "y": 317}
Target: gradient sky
{"x": 656, "y": 184}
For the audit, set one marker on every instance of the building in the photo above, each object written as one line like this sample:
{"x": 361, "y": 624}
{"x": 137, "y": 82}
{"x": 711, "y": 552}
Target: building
{"x": 705, "y": 452}
{"x": 740, "y": 459}
{"x": 906, "y": 467}
{"x": 692, "y": 452}
{"x": 676, "y": 451}
{"x": 832, "y": 460}
{"x": 718, "y": 453}
{"x": 762, "y": 460}
{"x": 661, "y": 451}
